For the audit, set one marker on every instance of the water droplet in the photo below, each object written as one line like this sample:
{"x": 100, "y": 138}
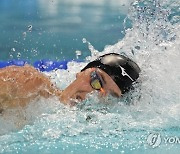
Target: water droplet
{"x": 11, "y": 56}
{"x": 18, "y": 54}
{"x": 30, "y": 28}
{"x": 137, "y": 47}
{"x": 24, "y": 35}
{"x": 35, "y": 51}
{"x": 13, "y": 49}
{"x": 78, "y": 53}
{"x": 84, "y": 40}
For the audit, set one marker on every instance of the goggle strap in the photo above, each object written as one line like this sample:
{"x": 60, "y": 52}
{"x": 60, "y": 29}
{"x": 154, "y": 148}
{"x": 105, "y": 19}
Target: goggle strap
{"x": 102, "y": 90}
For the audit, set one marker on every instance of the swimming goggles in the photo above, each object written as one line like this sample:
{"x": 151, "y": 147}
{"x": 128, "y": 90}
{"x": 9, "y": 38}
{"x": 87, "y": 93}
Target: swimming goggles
{"x": 96, "y": 81}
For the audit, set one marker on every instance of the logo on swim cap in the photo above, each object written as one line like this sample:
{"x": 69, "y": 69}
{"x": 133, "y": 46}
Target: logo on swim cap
{"x": 114, "y": 59}
{"x": 123, "y": 72}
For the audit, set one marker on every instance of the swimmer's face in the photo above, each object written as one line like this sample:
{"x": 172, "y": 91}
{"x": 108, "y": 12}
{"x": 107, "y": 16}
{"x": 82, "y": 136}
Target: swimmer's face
{"x": 80, "y": 87}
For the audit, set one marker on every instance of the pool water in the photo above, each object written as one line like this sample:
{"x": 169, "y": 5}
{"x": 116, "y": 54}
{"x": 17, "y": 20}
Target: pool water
{"x": 54, "y": 29}
{"x": 146, "y": 120}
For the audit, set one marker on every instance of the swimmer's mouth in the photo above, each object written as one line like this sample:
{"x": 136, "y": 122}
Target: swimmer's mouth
{"x": 74, "y": 102}
{"x": 1, "y": 111}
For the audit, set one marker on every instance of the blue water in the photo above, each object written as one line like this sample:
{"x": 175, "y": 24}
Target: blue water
{"x": 58, "y": 28}
{"x": 146, "y": 31}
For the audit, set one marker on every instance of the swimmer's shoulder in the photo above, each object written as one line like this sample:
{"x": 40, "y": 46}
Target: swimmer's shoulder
{"x": 18, "y": 72}
{"x": 11, "y": 68}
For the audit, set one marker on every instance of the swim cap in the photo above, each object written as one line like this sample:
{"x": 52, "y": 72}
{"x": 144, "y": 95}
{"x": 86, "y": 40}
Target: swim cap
{"x": 120, "y": 68}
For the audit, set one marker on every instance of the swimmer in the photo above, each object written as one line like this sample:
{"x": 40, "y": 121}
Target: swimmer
{"x": 109, "y": 74}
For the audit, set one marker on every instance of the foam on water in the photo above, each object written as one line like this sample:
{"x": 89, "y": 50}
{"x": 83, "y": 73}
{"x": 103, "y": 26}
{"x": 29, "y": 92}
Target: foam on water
{"x": 154, "y": 43}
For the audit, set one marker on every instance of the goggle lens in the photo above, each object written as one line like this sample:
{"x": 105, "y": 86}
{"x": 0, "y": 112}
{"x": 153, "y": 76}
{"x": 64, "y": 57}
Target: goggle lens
{"x": 96, "y": 81}
{"x": 96, "y": 84}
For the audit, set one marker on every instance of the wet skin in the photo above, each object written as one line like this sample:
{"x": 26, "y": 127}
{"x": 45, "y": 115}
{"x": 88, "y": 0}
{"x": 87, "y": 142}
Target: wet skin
{"x": 20, "y": 85}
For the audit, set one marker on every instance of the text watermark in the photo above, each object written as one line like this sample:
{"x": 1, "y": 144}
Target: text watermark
{"x": 155, "y": 139}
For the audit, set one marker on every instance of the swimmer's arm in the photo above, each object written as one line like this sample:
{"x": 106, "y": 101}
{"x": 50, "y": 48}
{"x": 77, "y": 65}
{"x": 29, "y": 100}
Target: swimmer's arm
{"x": 28, "y": 83}
{"x": 52, "y": 90}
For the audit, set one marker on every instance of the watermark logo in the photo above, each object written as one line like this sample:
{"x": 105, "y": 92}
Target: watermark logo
{"x": 155, "y": 139}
